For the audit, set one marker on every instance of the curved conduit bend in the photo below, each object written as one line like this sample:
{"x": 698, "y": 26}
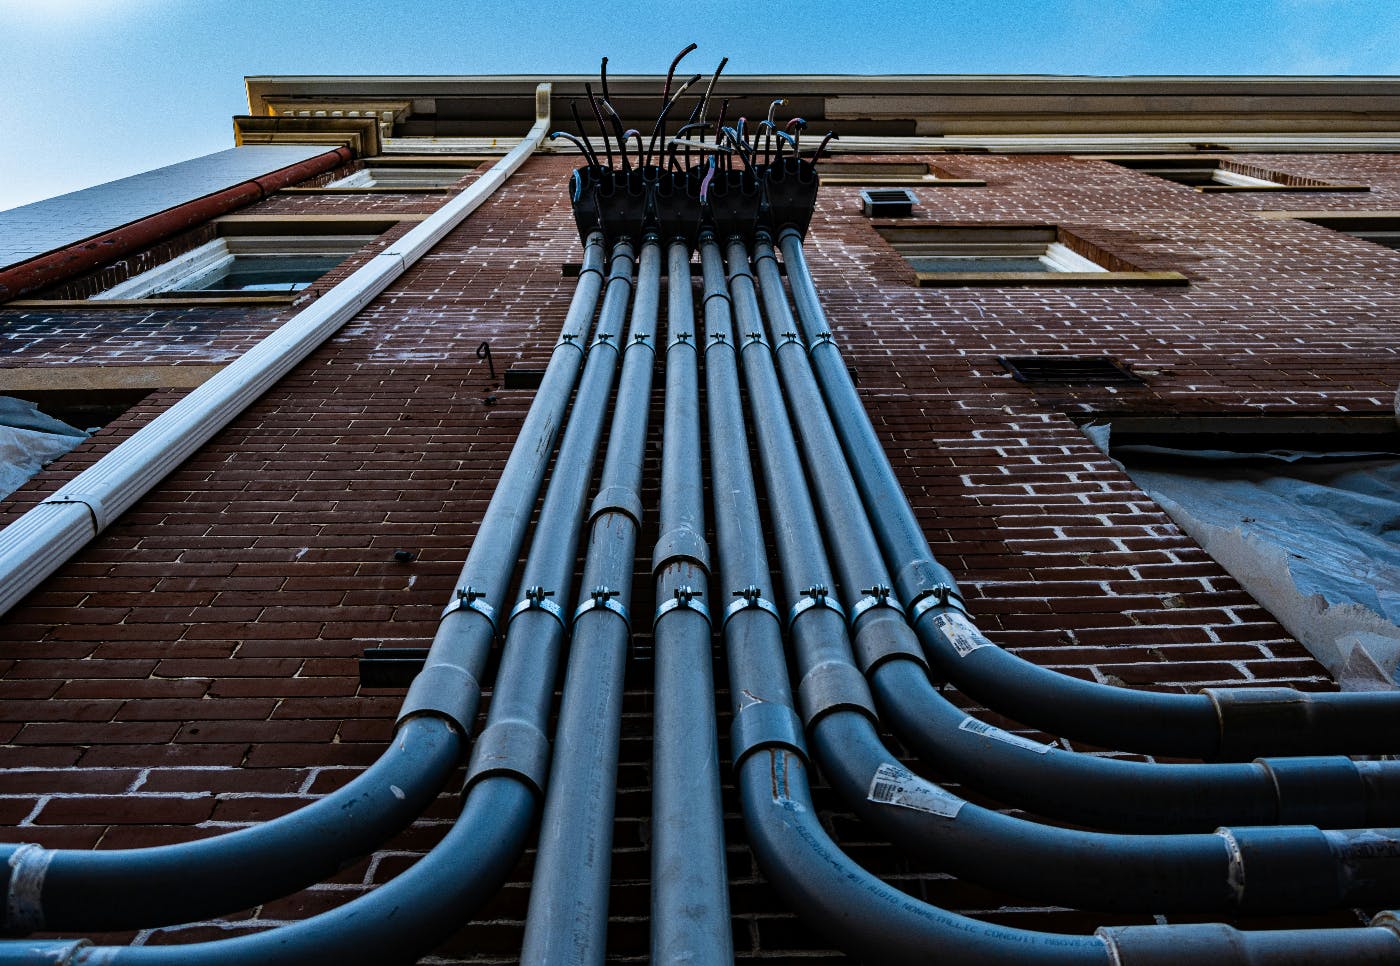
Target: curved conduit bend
{"x": 70, "y": 889}
{"x": 863, "y": 915}
{"x": 1231, "y": 724}
{"x": 1286, "y": 869}
{"x": 506, "y": 774}
{"x": 1111, "y": 793}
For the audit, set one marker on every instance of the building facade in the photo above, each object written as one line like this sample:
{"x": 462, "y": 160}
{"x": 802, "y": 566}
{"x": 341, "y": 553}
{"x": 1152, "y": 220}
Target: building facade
{"x": 1068, "y": 306}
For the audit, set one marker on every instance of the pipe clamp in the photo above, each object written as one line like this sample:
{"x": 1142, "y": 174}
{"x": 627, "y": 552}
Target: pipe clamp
{"x": 537, "y": 598}
{"x": 602, "y": 599}
{"x": 939, "y": 595}
{"x": 469, "y": 598}
{"x": 750, "y": 597}
{"x": 813, "y": 597}
{"x": 685, "y": 599}
{"x": 877, "y": 596}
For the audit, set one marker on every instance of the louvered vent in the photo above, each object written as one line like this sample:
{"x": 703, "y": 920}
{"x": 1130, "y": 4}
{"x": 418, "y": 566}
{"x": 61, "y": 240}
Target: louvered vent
{"x": 1069, "y": 370}
{"x": 887, "y": 202}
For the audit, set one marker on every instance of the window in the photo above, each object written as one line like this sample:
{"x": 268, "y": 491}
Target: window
{"x": 1217, "y": 174}
{"x": 891, "y": 173}
{"x": 1376, "y": 229}
{"x": 1009, "y": 255}
{"x": 242, "y": 265}
{"x": 401, "y": 174}
{"x": 386, "y": 177}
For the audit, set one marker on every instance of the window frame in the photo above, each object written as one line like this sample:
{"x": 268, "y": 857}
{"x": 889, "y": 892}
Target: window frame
{"x": 1229, "y": 175}
{"x": 1070, "y": 259}
{"x": 842, "y": 173}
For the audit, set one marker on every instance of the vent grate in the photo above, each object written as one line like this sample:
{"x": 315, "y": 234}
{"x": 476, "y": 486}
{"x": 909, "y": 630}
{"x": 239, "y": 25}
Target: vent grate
{"x": 521, "y": 378}
{"x": 887, "y": 202}
{"x": 1069, "y": 371}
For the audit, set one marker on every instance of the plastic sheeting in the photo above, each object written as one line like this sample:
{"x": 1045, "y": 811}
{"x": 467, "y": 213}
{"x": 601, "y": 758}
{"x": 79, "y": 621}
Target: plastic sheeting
{"x": 1315, "y": 537}
{"x": 29, "y": 439}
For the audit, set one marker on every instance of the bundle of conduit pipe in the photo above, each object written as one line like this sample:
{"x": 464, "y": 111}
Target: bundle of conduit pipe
{"x": 856, "y": 636}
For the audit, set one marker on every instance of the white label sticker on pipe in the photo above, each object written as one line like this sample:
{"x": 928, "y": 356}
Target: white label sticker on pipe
{"x": 960, "y": 631}
{"x": 990, "y": 731}
{"x": 896, "y": 785}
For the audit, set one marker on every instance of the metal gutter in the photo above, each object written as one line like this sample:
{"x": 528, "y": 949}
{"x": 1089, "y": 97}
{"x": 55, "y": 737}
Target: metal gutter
{"x": 40, "y": 541}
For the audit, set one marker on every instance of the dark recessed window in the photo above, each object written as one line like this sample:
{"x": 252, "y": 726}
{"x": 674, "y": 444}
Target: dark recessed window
{"x": 242, "y": 265}
{"x": 387, "y": 177}
{"x": 518, "y": 378}
{"x": 838, "y": 172}
{"x": 1069, "y": 371}
{"x": 1376, "y": 230}
{"x": 1224, "y": 174}
{"x": 958, "y": 250}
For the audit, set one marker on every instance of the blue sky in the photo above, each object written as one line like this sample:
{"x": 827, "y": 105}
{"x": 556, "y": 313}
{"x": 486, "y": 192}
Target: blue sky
{"x": 99, "y": 89}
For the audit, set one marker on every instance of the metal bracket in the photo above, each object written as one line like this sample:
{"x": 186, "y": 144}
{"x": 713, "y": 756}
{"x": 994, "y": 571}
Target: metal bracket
{"x": 813, "y": 597}
{"x": 750, "y": 597}
{"x": 602, "y": 599}
{"x": 469, "y": 598}
{"x": 939, "y": 595}
{"x": 877, "y": 596}
{"x": 537, "y": 598}
{"x": 686, "y": 598}
{"x": 754, "y": 337}
{"x": 680, "y": 338}
{"x": 788, "y": 337}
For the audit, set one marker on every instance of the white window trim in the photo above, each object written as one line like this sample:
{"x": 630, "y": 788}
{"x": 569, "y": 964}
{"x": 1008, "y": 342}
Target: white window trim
{"x": 1063, "y": 259}
{"x": 1226, "y": 176}
{"x": 216, "y": 254}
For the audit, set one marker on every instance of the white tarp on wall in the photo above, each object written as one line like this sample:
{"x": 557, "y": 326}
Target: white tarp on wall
{"x": 28, "y": 440}
{"x": 1314, "y": 537}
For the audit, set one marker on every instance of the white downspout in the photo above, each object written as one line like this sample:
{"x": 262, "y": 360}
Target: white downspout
{"x": 42, "y": 540}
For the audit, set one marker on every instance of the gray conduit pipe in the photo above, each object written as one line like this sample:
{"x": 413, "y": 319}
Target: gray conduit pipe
{"x": 506, "y": 775}
{"x": 1269, "y": 869}
{"x": 1231, "y": 724}
{"x": 832, "y": 693}
{"x": 1109, "y": 793}
{"x": 568, "y": 912}
{"x": 689, "y": 887}
{"x": 870, "y": 920}
{"x": 71, "y": 889}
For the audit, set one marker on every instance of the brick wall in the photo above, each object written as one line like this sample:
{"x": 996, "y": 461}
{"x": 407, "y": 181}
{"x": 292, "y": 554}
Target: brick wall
{"x": 194, "y": 669}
